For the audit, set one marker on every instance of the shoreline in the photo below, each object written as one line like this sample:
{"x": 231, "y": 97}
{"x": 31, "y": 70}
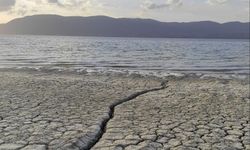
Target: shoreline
{"x": 50, "y": 110}
{"x": 125, "y": 73}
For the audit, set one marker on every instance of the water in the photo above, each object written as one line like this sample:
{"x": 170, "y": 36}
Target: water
{"x": 153, "y": 55}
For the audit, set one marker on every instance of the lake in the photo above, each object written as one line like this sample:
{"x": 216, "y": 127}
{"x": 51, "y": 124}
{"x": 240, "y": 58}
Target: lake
{"x": 113, "y": 54}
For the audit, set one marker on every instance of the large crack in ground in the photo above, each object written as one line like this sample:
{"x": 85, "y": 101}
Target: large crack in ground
{"x": 90, "y": 139}
{"x": 189, "y": 114}
{"x": 73, "y": 112}
{"x": 53, "y": 111}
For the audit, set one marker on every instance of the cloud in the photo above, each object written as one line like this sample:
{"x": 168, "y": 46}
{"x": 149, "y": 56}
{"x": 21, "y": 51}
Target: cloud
{"x": 6, "y": 4}
{"x": 157, "y": 6}
{"x": 53, "y": 1}
{"x": 214, "y": 2}
{"x": 56, "y": 2}
{"x": 26, "y": 7}
{"x": 68, "y": 3}
{"x": 166, "y": 4}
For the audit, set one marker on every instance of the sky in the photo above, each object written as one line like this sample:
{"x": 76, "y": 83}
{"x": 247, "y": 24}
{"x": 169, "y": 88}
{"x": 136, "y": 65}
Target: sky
{"x": 162, "y": 10}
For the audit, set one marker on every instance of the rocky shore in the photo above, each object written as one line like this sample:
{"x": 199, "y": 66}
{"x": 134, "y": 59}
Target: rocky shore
{"x": 46, "y": 110}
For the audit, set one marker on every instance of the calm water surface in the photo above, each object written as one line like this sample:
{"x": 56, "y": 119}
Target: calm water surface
{"x": 208, "y": 56}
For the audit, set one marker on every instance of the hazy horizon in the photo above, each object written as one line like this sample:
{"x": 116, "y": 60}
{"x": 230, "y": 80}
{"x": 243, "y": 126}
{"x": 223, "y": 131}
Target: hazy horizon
{"x": 127, "y": 18}
{"x": 162, "y": 10}
{"x": 111, "y": 27}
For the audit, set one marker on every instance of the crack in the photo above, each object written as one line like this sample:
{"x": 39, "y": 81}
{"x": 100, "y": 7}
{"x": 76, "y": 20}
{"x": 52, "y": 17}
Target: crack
{"x": 37, "y": 105}
{"x": 28, "y": 144}
{"x": 242, "y": 136}
{"x": 90, "y": 139}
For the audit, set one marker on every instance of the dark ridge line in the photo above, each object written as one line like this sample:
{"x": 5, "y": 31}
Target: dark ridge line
{"x": 94, "y": 138}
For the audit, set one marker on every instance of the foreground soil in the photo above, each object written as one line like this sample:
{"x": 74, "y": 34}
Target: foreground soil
{"x": 40, "y": 111}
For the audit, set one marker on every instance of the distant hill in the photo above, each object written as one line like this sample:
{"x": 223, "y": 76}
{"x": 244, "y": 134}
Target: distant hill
{"x": 122, "y": 27}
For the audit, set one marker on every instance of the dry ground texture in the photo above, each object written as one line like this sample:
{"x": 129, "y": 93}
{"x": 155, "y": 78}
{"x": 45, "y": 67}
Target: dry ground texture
{"x": 42, "y": 110}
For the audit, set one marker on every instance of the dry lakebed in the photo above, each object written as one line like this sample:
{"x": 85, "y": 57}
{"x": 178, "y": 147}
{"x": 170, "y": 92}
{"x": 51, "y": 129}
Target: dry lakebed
{"x": 52, "y": 111}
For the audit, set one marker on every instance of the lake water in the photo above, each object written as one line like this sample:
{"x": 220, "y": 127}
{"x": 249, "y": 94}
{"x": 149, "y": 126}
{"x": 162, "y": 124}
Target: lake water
{"x": 150, "y": 55}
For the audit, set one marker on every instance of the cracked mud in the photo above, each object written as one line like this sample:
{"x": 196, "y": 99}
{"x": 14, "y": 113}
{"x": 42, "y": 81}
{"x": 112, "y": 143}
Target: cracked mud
{"x": 40, "y": 111}
{"x": 189, "y": 115}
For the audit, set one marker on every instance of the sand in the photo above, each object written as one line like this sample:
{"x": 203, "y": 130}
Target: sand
{"x": 48, "y": 110}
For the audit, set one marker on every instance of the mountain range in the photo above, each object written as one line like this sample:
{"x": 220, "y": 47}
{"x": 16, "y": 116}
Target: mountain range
{"x": 122, "y": 27}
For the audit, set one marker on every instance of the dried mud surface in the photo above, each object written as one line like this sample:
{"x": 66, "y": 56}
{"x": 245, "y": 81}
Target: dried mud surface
{"x": 40, "y": 111}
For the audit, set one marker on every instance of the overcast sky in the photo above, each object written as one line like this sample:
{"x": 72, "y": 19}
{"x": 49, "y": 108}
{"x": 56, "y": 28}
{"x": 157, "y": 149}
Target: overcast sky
{"x": 163, "y": 10}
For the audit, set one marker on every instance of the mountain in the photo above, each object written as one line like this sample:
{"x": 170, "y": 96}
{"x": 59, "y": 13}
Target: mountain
{"x": 122, "y": 27}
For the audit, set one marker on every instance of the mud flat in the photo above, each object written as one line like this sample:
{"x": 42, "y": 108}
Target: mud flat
{"x": 189, "y": 114}
{"x": 46, "y": 110}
